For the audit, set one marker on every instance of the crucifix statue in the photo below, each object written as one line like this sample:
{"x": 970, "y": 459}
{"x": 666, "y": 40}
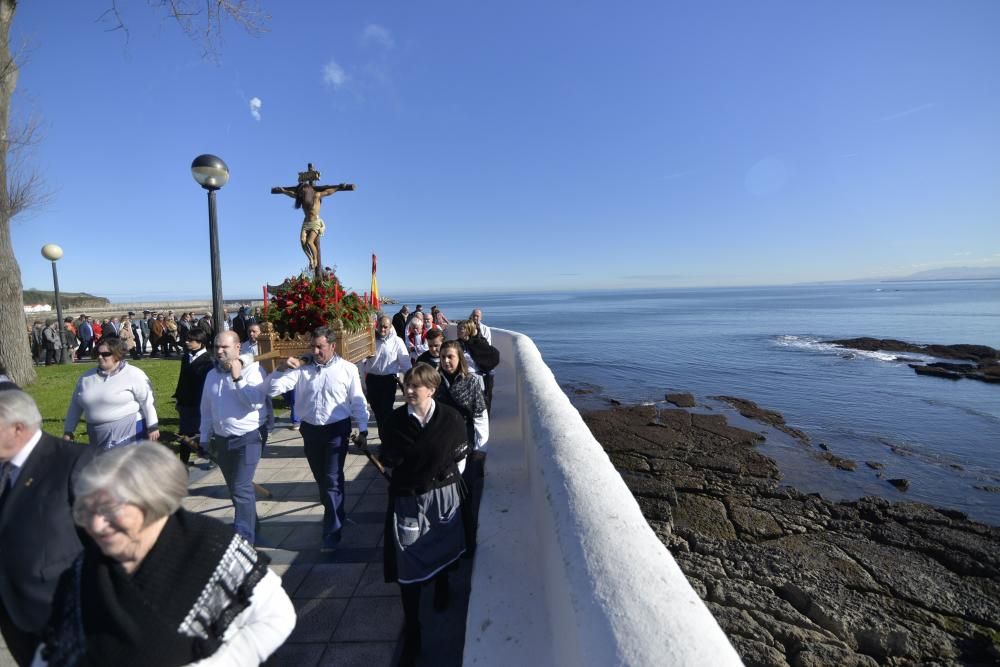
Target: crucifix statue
{"x": 308, "y": 196}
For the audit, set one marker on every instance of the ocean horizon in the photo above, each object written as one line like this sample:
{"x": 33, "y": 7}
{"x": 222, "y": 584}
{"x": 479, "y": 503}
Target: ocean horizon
{"x": 769, "y": 345}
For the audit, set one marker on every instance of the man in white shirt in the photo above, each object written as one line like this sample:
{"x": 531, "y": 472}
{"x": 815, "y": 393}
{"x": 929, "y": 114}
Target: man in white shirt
{"x": 232, "y": 410}
{"x": 250, "y": 346}
{"x": 248, "y": 350}
{"x": 383, "y": 370}
{"x": 327, "y": 395}
{"x": 484, "y": 331}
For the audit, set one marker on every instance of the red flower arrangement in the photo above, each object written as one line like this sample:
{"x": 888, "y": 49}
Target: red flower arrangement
{"x": 303, "y": 303}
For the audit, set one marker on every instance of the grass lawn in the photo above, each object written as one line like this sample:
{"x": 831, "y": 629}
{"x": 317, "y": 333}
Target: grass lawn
{"x": 55, "y": 384}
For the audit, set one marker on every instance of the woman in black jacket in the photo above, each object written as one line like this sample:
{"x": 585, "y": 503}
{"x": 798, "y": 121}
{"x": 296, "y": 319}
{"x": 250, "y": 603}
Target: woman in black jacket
{"x": 424, "y": 527}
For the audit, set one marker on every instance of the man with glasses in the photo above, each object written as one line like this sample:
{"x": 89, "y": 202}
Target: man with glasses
{"x": 327, "y": 395}
{"x": 38, "y": 540}
{"x": 383, "y": 371}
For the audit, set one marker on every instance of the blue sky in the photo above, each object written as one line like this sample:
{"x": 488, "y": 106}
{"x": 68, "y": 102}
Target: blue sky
{"x": 509, "y": 146}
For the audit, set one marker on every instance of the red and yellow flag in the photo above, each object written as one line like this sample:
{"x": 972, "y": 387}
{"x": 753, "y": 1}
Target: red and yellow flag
{"x": 374, "y": 297}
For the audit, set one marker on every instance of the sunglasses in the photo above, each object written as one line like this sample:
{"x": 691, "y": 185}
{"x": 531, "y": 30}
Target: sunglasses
{"x": 105, "y": 354}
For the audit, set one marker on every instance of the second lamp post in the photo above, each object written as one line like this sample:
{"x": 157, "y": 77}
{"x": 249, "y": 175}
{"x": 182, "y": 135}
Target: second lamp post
{"x": 211, "y": 173}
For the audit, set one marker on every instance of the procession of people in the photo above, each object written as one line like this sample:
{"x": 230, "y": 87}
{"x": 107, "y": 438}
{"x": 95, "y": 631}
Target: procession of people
{"x": 121, "y": 492}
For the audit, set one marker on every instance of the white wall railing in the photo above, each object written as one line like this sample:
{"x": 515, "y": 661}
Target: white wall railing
{"x": 567, "y": 571}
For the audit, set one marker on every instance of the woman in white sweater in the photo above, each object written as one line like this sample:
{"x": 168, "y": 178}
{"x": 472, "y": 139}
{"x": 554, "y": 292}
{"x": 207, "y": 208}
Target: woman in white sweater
{"x": 116, "y": 400}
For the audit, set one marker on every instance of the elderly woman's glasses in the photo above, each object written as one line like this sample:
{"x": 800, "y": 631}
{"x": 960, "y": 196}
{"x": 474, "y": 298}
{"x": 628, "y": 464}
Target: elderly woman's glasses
{"x": 82, "y": 514}
{"x": 105, "y": 354}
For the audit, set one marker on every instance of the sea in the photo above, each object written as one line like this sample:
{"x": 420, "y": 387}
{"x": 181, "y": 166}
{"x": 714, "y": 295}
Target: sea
{"x": 770, "y": 345}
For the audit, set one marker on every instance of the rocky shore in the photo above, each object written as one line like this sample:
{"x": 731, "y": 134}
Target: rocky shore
{"x": 979, "y": 362}
{"x": 794, "y": 579}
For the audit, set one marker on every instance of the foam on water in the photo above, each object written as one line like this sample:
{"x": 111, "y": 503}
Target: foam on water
{"x": 815, "y": 344}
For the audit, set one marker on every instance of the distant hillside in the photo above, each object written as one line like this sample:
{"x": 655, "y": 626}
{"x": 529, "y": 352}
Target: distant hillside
{"x": 955, "y": 273}
{"x": 71, "y": 300}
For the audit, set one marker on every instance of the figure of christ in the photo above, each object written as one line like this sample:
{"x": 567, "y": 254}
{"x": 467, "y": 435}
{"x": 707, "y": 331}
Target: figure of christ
{"x": 309, "y": 197}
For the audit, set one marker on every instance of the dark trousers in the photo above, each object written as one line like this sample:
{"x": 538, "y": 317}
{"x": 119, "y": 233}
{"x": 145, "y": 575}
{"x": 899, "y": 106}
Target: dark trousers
{"x": 21, "y": 644}
{"x": 85, "y": 347}
{"x": 474, "y": 476}
{"x": 326, "y": 450}
{"x": 237, "y": 458}
{"x": 52, "y": 356}
{"x": 381, "y": 396}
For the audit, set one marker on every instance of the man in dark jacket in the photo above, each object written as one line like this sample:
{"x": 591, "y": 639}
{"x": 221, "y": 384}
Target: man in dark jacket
{"x": 241, "y": 324}
{"x": 38, "y": 342}
{"x": 399, "y": 321}
{"x": 195, "y": 366}
{"x": 85, "y": 332}
{"x": 144, "y": 330}
{"x": 38, "y": 539}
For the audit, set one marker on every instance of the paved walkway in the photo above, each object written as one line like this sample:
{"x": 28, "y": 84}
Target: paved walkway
{"x": 347, "y": 615}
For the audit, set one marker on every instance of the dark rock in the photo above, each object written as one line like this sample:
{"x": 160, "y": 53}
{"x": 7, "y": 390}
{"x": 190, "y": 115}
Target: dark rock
{"x": 937, "y": 372}
{"x": 984, "y": 360}
{"x": 900, "y": 483}
{"x": 838, "y": 462}
{"x": 875, "y": 465}
{"x": 751, "y": 410}
{"x": 987, "y": 488}
{"x": 681, "y": 400}
{"x": 796, "y": 579}
{"x": 824, "y": 447}
{"x": 613, "y": 401}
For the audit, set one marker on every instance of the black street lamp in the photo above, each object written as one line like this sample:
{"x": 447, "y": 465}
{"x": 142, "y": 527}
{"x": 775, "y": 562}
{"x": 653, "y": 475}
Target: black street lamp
{"x": 211, "y": 173}
{"x": 54, "y": 253}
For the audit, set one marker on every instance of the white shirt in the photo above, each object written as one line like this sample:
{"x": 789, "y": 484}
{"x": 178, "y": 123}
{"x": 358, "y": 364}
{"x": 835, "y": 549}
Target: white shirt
{"x": 486, "y": 333}
{"x": 427, "y": 417}
{"x": 324, "y": 394}
{"x": 104, "y": 398}
{"x": 390, "y": 357}
{"x": 22, "y": 456}
{"x": 248, "y": 347}
{"x": 231, "y": 408}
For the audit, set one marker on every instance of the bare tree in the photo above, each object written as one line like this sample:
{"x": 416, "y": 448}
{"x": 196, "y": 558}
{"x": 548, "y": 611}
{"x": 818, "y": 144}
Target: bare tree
{"x": 202, "y": 20}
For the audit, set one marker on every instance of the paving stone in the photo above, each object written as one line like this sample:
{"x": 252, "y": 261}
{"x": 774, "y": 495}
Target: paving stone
{"x": 331, "y": 580}
{"x": 359, "y": 654}
{"x": 296, "y": 655}
{"x": 304, "y": 536}
{"x": 371, "y": 619}
{"x": 371, "y": 503}
{"x": 372, "y": 584}
{"x": 361, "y": 535}
{"x": 317, "y": 618}
{"x": 357, "y": 486}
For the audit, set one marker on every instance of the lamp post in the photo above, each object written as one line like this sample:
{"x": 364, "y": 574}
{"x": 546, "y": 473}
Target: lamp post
{"x": 54, "y": 253}
{"x": 211, "y": 173}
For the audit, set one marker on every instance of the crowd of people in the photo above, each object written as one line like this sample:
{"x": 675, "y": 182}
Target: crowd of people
{"x": 154, "y": 333}
{"x": 115, "y": 505}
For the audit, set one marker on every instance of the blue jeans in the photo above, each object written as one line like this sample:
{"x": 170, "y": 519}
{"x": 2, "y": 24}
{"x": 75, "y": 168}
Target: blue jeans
{"x": 289, "y": 397}
{"x": 326, "y": 450}
{"x": 237, "y": 457}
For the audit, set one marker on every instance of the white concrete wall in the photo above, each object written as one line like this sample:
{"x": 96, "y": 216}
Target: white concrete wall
{"x": 567, "y": 571}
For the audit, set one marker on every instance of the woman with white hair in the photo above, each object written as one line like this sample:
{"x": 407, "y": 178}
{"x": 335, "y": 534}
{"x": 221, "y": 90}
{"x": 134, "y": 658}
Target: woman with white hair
{"x": 159, "y": 586}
